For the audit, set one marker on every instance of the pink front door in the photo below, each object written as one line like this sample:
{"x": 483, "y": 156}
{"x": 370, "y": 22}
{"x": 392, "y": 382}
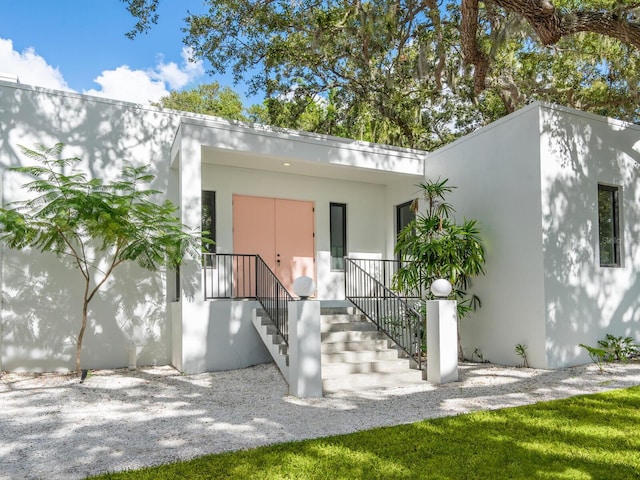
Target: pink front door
{"x": 280, "y": 231}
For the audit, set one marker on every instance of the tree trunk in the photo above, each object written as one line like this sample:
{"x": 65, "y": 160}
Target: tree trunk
{"x": 80, "y": 337}
{"x": 85, "y": 310}
{"x": 469, "y": 43}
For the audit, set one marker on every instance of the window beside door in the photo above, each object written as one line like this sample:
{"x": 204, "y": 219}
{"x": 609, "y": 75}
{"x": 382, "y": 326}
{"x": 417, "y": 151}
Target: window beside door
{"x": 209, "y": 219}
{"x": 404, "y": 216}
{"x": 338, "y": 235}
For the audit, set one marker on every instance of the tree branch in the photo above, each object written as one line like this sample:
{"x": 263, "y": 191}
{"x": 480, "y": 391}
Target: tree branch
{"x": 551, "y": 24}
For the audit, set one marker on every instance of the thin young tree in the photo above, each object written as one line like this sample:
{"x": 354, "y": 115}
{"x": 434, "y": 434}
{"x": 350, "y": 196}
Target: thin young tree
{"x": 94, "y": 225}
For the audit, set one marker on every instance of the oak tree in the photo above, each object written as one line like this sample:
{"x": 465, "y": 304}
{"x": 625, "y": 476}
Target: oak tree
{"x": 420, "y": 73}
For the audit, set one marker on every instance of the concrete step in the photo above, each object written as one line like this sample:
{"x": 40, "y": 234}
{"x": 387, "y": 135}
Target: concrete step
{"x": 355, "y": 354}
{"x": 353, "y": 336}
{"x": 347, "y": 326}
{"x": 342, "y": 318}
{"x": 368, "y": 381}
{"x": 398, "y": 365}
{"x": 354, "y": 346}
{"x": 359, "y": 356}
{"x": 274, "y": 343}
{"x": 337, "y": 310}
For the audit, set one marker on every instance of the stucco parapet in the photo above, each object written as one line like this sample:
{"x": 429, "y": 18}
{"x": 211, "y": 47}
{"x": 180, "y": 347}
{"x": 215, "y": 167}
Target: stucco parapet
{"x": 87, "y": 98}
{"x": 301, "y": 136}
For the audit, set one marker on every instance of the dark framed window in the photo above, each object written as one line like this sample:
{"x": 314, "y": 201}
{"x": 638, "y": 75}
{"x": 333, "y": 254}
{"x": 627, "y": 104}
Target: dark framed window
{"x": 209, "y": 218}
{"x": 338, "y": 234}
{"x": 404, "y": 216}
{"x": 178, "y": 287}
{"x": 609, "y": 225}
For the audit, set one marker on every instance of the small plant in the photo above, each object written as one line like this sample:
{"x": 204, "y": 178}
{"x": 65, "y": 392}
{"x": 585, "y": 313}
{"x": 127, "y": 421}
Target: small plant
{"x": 598, "y": 355}
{"x": 434, "y": 245}
{"x": 478, "y": 353}
{"x": 619, "y": 348}
{"x": 521, "y": 350}
{"x": 92, "y": 225}
{"x": 612, "y": 349}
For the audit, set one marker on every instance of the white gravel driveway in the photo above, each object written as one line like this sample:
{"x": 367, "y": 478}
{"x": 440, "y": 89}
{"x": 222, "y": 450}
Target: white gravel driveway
{"x": 53, "y": 427}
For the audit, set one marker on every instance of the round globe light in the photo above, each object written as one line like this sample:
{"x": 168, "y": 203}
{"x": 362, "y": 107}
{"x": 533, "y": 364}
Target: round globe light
{"x": 304, "y": 287}
{"x": 441, "y": 287}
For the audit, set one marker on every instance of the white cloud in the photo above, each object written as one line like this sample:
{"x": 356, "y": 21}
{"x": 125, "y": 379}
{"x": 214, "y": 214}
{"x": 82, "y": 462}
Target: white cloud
{"x": 29, "y": 67}
{"x": 146, "y": 86}
{"x": 178, "y": 77}
{"x": 128, "y": 85}
{"x": 120, "y": 83}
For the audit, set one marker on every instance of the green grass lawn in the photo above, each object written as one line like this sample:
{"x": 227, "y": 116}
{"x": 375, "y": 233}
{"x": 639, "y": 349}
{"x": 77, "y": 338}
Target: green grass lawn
{"x": 585, "y": 437}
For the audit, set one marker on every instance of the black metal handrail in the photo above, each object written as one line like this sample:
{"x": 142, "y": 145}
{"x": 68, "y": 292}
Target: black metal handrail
{"x": 228, "y": 275}
{"x": 273, "y": 297}
{"x": 238, "y": 276}
{"x": 381, "y": 270}
{"x": 384, "y": 271}
{"x": 391, "y": 313}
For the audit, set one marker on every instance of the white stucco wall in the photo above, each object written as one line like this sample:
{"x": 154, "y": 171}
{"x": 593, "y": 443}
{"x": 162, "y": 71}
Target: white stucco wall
{"x": 497, "y": 174}
{"x": 531, "y": 180}
{"x": 585, "y": 301}
{"x": 41, "y": 306}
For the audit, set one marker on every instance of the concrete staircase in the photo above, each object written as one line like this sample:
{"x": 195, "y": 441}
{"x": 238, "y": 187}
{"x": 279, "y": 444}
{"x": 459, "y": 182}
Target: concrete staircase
{"x": 357, "y": 356}
{"x": 273, "y": 341}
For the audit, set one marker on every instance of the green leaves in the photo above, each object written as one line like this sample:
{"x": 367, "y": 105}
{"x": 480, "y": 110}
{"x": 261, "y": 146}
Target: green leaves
{"x": 434, "y": 246}
{"x": 208, "y": 99}
{"x": 97, "y": 225}
{"x": 69, "y": 213}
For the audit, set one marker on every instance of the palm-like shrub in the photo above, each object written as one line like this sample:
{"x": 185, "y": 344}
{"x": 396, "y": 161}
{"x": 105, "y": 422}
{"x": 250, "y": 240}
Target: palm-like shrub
{"x": 434, "y": 246}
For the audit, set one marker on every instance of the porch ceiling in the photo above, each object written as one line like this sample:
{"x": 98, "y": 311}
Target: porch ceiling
{"x": 256, "y": 161}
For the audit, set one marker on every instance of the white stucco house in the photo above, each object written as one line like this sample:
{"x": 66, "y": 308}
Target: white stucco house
{"x": 538, "y": 182}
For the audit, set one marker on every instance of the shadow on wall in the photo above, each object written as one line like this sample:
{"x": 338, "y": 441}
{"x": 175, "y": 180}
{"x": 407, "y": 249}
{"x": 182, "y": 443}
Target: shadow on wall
{"x": 38, "y": 318}
{"x": 43, "y": 310}
{"x": 101, "y": 132}
{"x": 585, "y": 301}
{"x": 42, "y": 297}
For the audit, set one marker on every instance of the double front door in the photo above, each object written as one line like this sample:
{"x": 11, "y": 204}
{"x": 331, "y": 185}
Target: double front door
{"x": 280, "y": 231}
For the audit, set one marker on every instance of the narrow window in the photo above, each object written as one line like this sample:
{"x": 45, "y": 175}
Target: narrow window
{"x": 177, "y": 290}
{"x": 404, "y": 216}
{"x": 209, "y": 219}
{"x": 338, "y": 234}
{"x": 609, "y": 225}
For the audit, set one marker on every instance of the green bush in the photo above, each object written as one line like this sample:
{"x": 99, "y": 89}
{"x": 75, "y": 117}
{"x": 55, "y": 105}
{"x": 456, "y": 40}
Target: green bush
{"x": 612, "y": 349}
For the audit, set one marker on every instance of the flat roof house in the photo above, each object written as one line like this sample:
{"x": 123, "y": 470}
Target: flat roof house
{"x": 542, "y": 182}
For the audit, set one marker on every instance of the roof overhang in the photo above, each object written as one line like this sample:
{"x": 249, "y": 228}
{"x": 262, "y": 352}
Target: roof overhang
{"x": 239, "y": 145}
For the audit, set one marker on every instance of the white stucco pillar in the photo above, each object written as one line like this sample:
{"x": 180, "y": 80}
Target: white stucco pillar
{"x": 442, "y": 341}
{"x": 305, "y": 373}
{"x": 194, "y": 311}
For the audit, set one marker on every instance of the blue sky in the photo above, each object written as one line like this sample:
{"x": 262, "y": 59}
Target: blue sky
{"x": 80, "y": 45}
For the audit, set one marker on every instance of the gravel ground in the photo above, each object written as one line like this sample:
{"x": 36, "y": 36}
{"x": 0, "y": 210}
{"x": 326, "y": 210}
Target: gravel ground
{"x": 53, "y": 427}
